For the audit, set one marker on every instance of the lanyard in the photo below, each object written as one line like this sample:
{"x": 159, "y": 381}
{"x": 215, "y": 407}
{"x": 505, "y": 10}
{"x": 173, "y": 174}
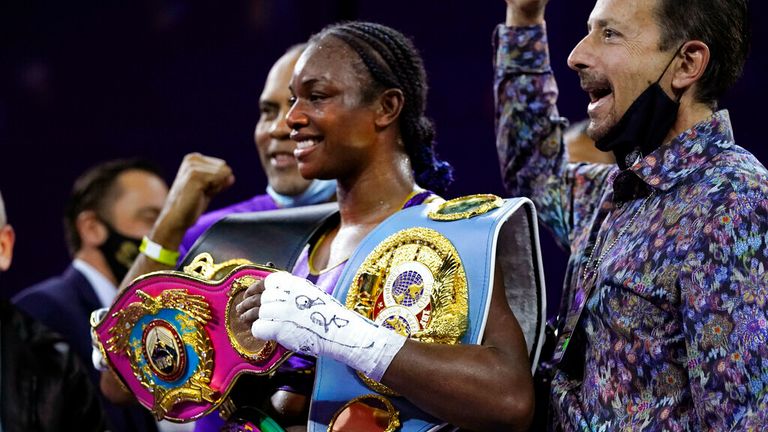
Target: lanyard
{"x": 587, "y": 283}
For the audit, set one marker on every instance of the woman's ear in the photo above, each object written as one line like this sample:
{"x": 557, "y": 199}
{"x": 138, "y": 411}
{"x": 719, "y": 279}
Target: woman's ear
{"x": 694, "y": 58}
{"x": 390, "y": 104}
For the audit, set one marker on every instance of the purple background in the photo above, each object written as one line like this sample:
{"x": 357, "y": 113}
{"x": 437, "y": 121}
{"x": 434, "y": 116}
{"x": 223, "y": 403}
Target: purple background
{"x": 87, "y": 81}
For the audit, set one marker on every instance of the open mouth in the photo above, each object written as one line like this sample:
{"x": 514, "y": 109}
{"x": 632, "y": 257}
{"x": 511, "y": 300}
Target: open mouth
{"x": 305, "y": 144}
{"x": 282, "y": 159}
{"x": 596, "y": 86}
{"x": 597, "y": 93}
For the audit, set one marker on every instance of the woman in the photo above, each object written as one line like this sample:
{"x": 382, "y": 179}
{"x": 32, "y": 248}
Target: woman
{"x": 359, "y": 95}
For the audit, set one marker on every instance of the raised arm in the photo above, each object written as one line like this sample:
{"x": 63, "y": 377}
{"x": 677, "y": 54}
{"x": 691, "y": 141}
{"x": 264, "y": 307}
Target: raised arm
{"x": 521, "y": 13}
{"x": 198, "y": 180}
{"x": 529, "y": 129}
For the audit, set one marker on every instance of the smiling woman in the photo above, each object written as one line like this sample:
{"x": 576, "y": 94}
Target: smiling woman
{"x": 350, "y": 77}
{"x": 358, "y": 116}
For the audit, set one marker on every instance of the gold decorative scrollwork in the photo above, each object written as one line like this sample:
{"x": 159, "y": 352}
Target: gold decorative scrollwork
{"x": 391, "y": 414}
{"x": 193, "y": 312}
{"x": 414, "y": 283}
{"x": 465, "y": 207}
{"x": 203, "y": 267}
{"x": 247, "y": 346}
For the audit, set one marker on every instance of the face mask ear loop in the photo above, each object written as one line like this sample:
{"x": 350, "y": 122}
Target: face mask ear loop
{"x": 658, "y": 80}
{"x": 108, "y": 225}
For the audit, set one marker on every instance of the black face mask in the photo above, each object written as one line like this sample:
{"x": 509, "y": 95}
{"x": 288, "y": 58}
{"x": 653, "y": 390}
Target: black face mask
{"x": 119, "y": 251}
{"x": 644, "y": 125}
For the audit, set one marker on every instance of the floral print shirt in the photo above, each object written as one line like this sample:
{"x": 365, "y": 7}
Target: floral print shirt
{"x": 675, "y": 328}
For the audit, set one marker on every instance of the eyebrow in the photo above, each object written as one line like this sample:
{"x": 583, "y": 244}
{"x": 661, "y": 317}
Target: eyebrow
{"x": 268, "y": 103}
{"x": 312, "y": 80}
{"x": 308, "y": 82}
{"x": 599, "y": 23}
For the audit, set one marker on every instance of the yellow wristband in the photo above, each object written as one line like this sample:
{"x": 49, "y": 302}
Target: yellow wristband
{"x": 158, "y": 253}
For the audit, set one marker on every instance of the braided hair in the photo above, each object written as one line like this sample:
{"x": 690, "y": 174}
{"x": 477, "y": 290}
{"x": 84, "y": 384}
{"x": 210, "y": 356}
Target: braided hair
{"x": 393, "y": 62}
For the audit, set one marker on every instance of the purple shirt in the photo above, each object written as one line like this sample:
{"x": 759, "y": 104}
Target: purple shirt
{"x": 676, "y": 325}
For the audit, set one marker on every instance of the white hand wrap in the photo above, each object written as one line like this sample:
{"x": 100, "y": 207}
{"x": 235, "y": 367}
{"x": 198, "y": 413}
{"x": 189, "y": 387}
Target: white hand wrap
{"x": 302, "y": 318}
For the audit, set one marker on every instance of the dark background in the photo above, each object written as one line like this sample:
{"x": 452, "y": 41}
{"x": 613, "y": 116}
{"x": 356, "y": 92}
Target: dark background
{"x": 86, "y": 81}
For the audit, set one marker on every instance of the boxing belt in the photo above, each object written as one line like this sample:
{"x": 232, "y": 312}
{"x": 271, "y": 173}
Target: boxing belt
{"x": 174, "y": 337}
{"x": 427, "y": 272}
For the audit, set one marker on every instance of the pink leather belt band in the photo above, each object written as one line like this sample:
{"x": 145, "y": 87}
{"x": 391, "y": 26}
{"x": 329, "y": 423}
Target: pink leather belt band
{"x": 177, "y": 344}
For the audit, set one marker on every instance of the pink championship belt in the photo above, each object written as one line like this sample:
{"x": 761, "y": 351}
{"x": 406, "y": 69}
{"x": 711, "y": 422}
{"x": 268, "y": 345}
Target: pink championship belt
{"x": 176, "y": 342}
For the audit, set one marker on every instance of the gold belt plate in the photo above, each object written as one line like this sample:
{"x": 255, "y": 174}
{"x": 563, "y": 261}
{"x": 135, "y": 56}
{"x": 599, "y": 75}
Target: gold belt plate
{"x": 415, "y": 284}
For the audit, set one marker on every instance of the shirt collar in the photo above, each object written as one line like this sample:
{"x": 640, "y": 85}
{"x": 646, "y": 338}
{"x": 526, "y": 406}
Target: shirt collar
{"x": 105, "y": 290}
{"x": 686, "y": 153}
{"x": 666, "y": 166}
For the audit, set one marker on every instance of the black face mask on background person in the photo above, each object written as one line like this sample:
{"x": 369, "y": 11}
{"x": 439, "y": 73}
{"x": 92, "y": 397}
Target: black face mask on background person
{"x": 120, "y": 251}
{"x": 645, "y": 124}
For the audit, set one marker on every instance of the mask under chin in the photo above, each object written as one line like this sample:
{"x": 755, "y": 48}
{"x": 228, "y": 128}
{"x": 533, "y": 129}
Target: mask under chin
{"x": 119, "y": 251}
{"x": 642, "y": 128}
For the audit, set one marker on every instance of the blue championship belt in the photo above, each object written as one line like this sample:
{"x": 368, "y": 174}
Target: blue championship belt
{"x": 427, "y": 272}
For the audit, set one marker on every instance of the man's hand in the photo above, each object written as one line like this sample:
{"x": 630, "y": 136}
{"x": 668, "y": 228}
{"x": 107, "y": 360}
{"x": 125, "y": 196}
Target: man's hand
{"x": 522, "y": 13}
{"x": 303, "y": 318}
{"x": 198, "y": 180}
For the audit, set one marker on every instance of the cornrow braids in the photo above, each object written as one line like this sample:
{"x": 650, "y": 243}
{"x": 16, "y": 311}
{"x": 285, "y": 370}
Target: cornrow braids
{"x": 393, "y": 62}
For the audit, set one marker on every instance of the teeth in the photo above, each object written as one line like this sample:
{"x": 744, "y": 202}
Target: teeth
{"x": 305, "y": 144}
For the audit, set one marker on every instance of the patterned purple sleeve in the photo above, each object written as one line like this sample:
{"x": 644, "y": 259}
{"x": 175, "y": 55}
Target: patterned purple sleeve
{"x": 529, "y": 134}
{"x": 724, "y": 303}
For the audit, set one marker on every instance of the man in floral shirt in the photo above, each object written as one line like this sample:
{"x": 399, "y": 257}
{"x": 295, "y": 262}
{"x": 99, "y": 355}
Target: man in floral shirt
{"x": 664, "y": 317}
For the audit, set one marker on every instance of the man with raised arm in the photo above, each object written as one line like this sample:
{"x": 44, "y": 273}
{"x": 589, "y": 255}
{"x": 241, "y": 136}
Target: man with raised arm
{"x": 663, "y": 319}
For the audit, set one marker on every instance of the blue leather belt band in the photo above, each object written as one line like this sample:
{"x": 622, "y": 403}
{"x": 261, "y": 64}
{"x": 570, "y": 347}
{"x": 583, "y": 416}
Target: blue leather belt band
{"x": 476, "y": 241}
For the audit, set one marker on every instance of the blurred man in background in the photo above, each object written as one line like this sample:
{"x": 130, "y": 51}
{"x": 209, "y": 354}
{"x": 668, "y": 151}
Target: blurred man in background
{"x": 111, "y": 207}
